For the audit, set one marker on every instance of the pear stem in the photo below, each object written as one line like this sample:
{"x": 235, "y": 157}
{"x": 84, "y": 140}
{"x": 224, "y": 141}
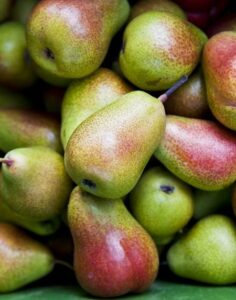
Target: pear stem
{"x": 64, "y": 264}
{"x": 6, "y": 161}
{"x": 172, "y": 89}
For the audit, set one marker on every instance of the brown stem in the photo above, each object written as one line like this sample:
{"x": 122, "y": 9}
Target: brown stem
{"x": 172, "y": 89}
{"x": 6, "y": 161}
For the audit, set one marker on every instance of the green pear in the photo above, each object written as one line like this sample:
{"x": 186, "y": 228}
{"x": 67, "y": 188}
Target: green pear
{"x": 108, "y": 152}
{"x": 13, "y": 99}
{"x": 157, "y": 5}
{"x": 190, "y": 100}
{"x": 161, "y": 203}
{"x": 24, "y": 128}
{"x": 207, "y": 252}
{"x": 15, "y": 66}
{"x": 159, "y": 48}
{"x": 220, "y": 76}
{"x": 34, "y": 183}
{"x": 21, "y": 10}
{"x": 86, "y": 96}
{"x": 210, "y": 202}
{"x": 200, "y": 152}
{"x": 22, "y": 259}
{"x": 5, "y": 6}
{"x": 113, "y": 254}
{"x": 71, "y": 39}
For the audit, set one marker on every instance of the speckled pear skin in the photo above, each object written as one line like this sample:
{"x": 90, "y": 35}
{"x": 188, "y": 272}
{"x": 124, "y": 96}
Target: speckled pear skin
{"x": 161, "y": 203}
{"x": 35, "y": 183}
{"x": 5, "y": 7}
{"x": 71, "y": 38}
{"x": 200, "y": 152}
{"x": 86, "y": 96}
{"x": 158, "y": 5}
{"x": 40, "y": 228}
{"x": 159, "y": 48}
{"x": 207, "y": 253}
{"x": 108, "y": 152}
{"x": 113, "y": 254}
{"x": 15, "y": 66}
{"x": 25, "y": 128}
{"x": 190, "y": 100}
{"x": 220, "y": 76}
{"x": 22, "y": 259}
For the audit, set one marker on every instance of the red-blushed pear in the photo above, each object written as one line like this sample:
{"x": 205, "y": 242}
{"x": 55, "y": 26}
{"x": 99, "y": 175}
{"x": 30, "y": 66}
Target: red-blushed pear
{"x": 200, "y": 152}
{"x": 71, "y": 38}
{"x": 219, "y": 66}
{"x": 113, "y": 254}
{"x": 22, "y": 259}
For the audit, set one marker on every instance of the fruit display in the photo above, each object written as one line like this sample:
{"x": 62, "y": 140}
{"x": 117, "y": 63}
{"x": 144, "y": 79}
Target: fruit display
{"x": 117, "y": 149}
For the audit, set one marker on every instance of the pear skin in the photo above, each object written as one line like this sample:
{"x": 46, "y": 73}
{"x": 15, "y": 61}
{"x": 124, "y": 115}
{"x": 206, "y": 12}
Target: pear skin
{"x": 108, "y": 152}
{"x": 200, "y": 152}
{"x": 220, "y": 76}
{"x": 23, "y": 260}
{"x": 161, "y": 203}
{"x": 24, "y": 128}
{"x": 113, "y": 254}
{"x": 86, "y": 96}
{"x": 86, "y": 29}
{"x": 207, "y": 252}
{"x": 158, "y": 5}
{"x": 159, "y": 48}
{"x": 34, "y": 182}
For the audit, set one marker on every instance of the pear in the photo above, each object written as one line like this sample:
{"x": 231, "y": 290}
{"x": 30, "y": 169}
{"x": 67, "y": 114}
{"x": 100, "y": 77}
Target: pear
{"x": 220, "y": 76}
{"x": 108, "y": 152}
{"x": 15, "y": 66}
{"x": 207, "y": 252}
{"x": 22, "y": 259}
{"x": 34, "y": 183}
{"x": 158, "y": 5}
{"x": 207, "y": 203}
{"x": 161, "y": 203}
{"x": 86, "y": 96}
{"x": 113, "y": 254}
{"x": 86, "y": 29}
{"x": 200, "y": 152}
{"x": 5, "y": 6}
{"x": 13, "y": 99}
{"x": 41, "y": 228}
{"x": 158, "y": 48}
{"x": 24, "y": 128}
{"x": 21, "y": 10}
{"x": 190, "y": 100}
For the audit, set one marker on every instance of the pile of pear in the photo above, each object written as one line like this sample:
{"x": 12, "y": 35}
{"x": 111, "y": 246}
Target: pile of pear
{"x": 116, "y": 164}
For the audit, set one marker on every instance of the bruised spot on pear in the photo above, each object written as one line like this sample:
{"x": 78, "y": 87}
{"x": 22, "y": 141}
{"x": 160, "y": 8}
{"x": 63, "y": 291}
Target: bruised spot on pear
{"x": 168, "y": 189}
{"x": 88, "y": 183}
{"x": 48, "y": 54}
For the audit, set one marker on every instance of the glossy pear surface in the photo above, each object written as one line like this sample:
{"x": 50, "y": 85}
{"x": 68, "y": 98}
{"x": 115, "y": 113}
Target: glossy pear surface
{"x": 207, "y": 253}
{"x": 113, "y": 254}
{"x": 200, "y": 152}
{"x": 71, "y": 38}
{"x": 107, "y": 153}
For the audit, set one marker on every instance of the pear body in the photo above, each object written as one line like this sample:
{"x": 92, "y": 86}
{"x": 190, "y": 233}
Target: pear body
{"x": 161, "y": 203}
{"x": 159, "y": 48}
{"x": 35, "y": 183}
{"x": 207, "y": 252}
{"x": 24, "y": 128}
{"x": 157, "y": 5}
{"x": 107, "y": 153}
{"x": 113, "y": 254}
{"x": 88, "y": 95}
{"x": 86, "y": 29}
{"x": 220, "y": 76}
{"x": 190, "y": 100}
{"x": 23, "y": 260}
{"x": 16, "y": 70}
{"x": 200, "y": 152}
